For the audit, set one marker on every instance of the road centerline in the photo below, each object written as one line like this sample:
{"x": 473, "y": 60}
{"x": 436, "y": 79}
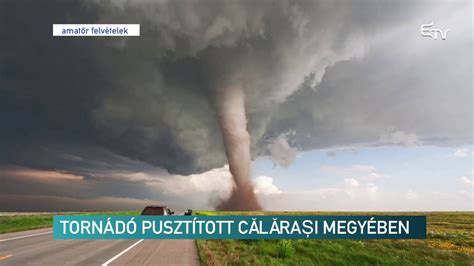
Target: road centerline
{"x": 121, "y": 253}
{"x": 19, "y": 237}
{"x": 5, "y": 257}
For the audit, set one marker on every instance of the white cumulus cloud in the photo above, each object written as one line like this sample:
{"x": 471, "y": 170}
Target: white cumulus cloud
{"x": 461, "y": 153}
{"x": 264, "y": 185}
{"x": 351, "y": 182}
{"x": 466, "y": 181}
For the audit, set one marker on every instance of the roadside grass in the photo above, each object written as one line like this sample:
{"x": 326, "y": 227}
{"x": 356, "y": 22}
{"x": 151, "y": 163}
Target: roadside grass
{"x": 450, "y": 241}
{"x": 15, "y": 223}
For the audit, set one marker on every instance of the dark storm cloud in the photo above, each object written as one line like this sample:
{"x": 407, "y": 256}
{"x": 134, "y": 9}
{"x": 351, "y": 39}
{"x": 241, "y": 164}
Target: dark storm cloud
{"x": 335, "y": 73}
{"x": 403, "y": 91}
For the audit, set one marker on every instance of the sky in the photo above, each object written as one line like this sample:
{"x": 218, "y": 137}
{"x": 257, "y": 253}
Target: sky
{"x": 348, "y": 107}
{"x": 376, "y": 178}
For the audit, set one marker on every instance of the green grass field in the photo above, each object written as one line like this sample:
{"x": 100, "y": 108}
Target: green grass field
{"x": 450, "y": 242}
{"x": 15, "y": 223}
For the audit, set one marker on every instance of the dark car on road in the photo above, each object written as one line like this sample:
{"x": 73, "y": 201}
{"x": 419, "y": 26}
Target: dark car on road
{"x": 157, "y": 210}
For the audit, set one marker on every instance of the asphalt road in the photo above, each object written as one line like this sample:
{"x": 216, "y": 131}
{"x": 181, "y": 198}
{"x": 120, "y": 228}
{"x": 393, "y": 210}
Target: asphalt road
{"x": 37, "y": 247}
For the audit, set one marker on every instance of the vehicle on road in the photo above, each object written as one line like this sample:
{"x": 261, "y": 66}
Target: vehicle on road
{"x": 157, "y": 210}
{"x": 188, "y": 212}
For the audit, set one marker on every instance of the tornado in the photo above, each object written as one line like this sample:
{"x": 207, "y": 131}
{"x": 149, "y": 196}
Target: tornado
{"x": 233, "y": 124}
